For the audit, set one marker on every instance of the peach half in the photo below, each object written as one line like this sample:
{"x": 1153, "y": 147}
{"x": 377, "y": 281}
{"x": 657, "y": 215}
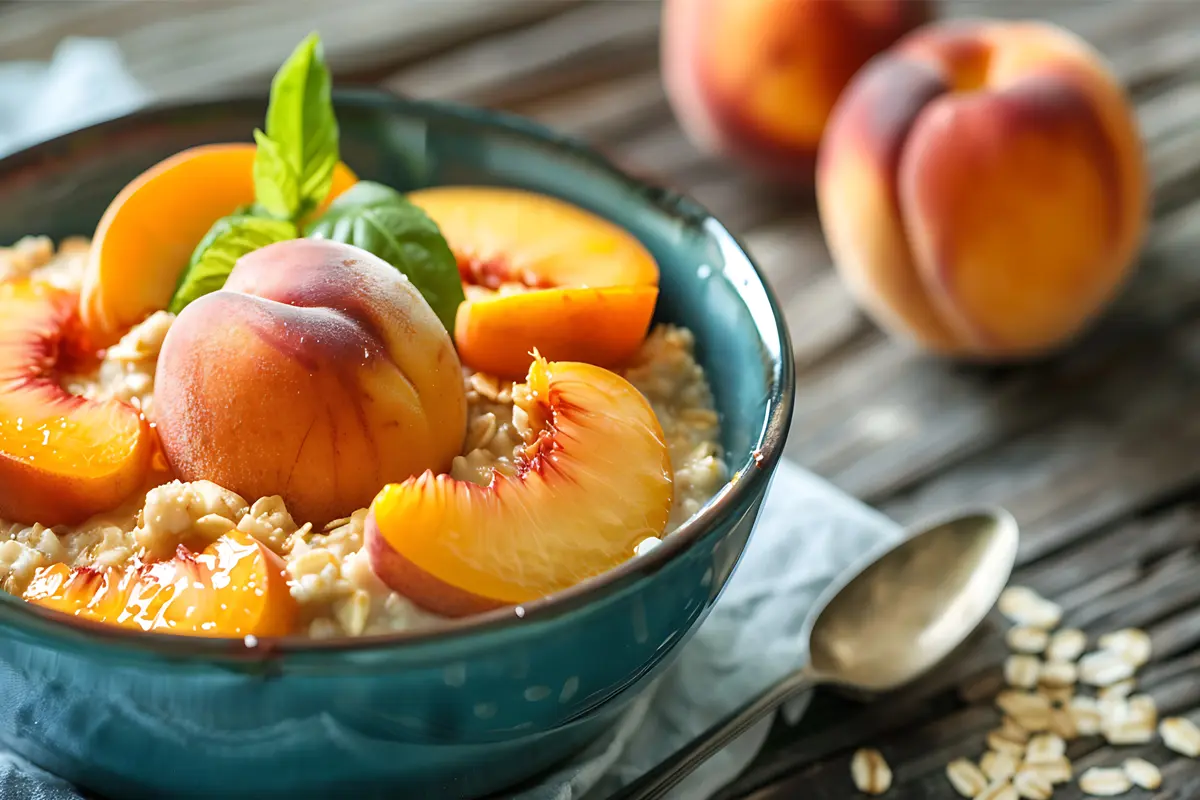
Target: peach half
{"x": 318, "y": 373}
{"x": 595, "y": 479}
{"x": 147, "y": 235}
{"x": 983, "y": 188}
{"x": 755, "y": 80}
{"x": 236, "y": 587}
{"x": 63, "y": 458}
{"x": 585, "y": 288}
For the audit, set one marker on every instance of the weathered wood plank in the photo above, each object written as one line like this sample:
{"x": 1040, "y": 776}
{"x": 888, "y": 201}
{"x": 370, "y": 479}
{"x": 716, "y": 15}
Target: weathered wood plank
{"x": 597, "y": 39}
{"x": 179, "y": 49}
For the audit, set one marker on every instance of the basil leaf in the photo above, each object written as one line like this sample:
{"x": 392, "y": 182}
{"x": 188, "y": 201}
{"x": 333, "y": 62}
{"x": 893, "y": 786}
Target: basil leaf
{"x": 384, "y": 222}
{"x": 304, "y": 132}
{"x": 227, "y": 240}
{"x": 276, "y": 186}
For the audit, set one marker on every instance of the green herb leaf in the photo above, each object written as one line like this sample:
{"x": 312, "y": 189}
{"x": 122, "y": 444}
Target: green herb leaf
{"x": 384, "y": 222}
{"x": 227, "y": 240}
{"x": 276, "y": 186}
{"x": 297, "y": 166}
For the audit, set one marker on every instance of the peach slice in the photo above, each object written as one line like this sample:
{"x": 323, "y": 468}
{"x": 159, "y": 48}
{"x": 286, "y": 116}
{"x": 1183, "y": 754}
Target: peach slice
{"x": 486, "y": 329}
{"x": 594, "y": 480}
{"x": 236, "y": 587}
{"x": 507, "y": 236}
{"x": 147, "y": 235}
{"x": 62, "y": 457}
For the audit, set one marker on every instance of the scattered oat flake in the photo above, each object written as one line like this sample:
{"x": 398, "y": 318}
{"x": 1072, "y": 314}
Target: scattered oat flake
{"x": 1118, "y": 690}
{"x": 1026, "y": 607}
{"x": 1002, "y": 744}
{"x": 1000, "y": 790}
{"x": 1105, "y": 782}
{"x": 1129, "y": 644}
{"x": 1010, "y": 730}
{"x": 1017, "y": 703}
{"x": 1045, "y": 748}
{"x": 1085, "y": 712}
{"x": 1062, "y": 723}
{"x": 1142, "y": 706}
{"x": 1058, "y": 674}
{"x": 1142, "y": 773}
{"x": 966, "y": 778}
{"x": 1104, "y": 668}
{"x": 1129, "y": 721}
{"x": 1067, "y": 644}
{"x": 1032, "y": 786}
{"x": 1024, "y": 639}
{"x": 1057, "y": 695}
{"x": 1056, "y": 771}
{"x": 1125, "y": 733}
{"x": 1181, "y": 735}
{"x": 999, "y": 766}
{"x": 871, "y": 773}
{"x": 1022, "y": 671}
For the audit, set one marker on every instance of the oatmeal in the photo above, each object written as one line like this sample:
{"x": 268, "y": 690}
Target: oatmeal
{"x": 328, "y": 570}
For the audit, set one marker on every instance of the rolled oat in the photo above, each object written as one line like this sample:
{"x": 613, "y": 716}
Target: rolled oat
{"x": 1000, "y": 790}
{"x": 1058, "y": 674}
{"x": 870, "y": 771}
{"x": 1024, "y": 639}
{"x": 1022, "y": 671}
{"x": 1045, "y": 748}
{"x": 1105, "y": 782}
{"x": 1142, "y": 773}
{"x": 1104, "y": 668}
{"x": 1067, "y": 644}
{"x": 999, "y": 766}
{"x": 1129, "y": 644}
{"x": 1030, "y": 711}
{"x": 1085, "y": 712}
{"x": 1026, "y": 607}
{"x": 1032, "y": 786}
{"x": 1056, "y": 771}
{"x": 966, "y": 778}
{"x": 1181, "y": 735}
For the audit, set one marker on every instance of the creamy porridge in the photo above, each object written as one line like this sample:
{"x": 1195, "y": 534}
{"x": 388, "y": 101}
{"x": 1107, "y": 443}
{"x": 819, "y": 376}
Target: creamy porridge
{"x": 328, "y": 569}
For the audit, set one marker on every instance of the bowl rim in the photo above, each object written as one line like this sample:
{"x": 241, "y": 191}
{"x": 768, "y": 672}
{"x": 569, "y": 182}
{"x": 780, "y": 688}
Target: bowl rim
{"x": 748, "y": 479}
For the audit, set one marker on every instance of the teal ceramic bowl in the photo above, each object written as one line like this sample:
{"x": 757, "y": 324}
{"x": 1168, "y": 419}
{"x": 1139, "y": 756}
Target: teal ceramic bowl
{"x": 461, "y": 712}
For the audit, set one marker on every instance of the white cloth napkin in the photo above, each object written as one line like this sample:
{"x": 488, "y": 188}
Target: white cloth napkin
{"x": 807, "y": 534}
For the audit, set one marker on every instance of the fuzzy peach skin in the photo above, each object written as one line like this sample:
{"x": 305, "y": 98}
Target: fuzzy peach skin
{"x": 983, "y": 188}
{"x": 755, "y": 80}
{"x": 318, "y": 373}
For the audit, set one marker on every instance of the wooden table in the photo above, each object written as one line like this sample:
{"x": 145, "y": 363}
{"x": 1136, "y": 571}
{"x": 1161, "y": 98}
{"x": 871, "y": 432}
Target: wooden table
{"x": 1097, "y": 451}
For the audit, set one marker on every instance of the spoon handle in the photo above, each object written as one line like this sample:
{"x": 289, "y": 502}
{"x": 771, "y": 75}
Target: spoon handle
{"x": 657, "y": 782}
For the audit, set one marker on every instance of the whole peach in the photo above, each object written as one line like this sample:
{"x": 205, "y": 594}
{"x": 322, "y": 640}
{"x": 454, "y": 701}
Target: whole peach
{"x": 318, "y": 373}
{"x": 755, "y": 80}
{"x": 983, "y": 189}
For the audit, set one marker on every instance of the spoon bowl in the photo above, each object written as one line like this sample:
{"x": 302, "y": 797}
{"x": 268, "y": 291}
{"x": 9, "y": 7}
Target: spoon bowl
{"x": 884, "y": 625}
{"x": 912, "y": 606}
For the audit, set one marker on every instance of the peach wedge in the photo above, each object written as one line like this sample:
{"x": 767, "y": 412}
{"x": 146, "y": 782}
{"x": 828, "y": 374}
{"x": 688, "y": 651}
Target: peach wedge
{"x": 983, "y": 188}
{"x": 62, "y": 457}
{"x": 235, "y": 588}
{"x": 589, "y": 286}
{"x": 594, "y": 481}
{"x": 147, "y": 235}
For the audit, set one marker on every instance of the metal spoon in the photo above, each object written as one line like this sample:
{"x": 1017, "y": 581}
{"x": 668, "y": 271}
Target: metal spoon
{"x": 879, "y": 628}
